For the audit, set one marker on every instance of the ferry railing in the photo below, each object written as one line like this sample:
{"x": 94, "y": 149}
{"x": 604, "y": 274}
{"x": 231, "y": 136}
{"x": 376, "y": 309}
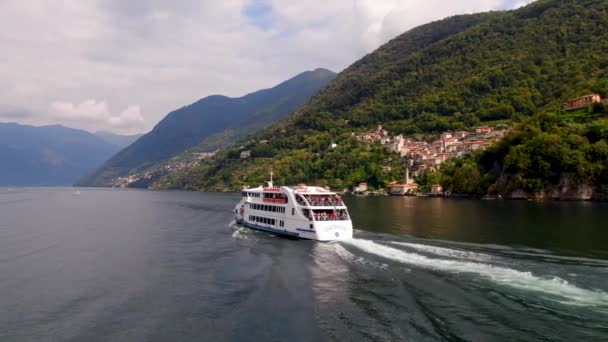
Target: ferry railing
{"x": 326, "y": 203}
{"x": 275, "y": 200}
{"x": 330, "y": 218}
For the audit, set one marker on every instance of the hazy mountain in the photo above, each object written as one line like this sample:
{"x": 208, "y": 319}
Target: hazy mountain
{"x": 211, "y": 123}
{"x": 48, "y": 155}
{"x": 118, "y": 140}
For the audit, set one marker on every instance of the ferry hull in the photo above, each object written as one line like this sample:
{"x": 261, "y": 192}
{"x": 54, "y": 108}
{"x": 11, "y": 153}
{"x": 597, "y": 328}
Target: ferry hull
{"x": 268, "y": 229}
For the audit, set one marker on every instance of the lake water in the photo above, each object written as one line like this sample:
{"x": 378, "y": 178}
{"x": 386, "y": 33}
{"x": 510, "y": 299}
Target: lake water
{"x": 129, "y": 265}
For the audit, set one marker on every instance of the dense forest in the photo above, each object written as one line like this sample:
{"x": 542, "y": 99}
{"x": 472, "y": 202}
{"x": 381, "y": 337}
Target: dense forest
{"x": 512, "y": 68}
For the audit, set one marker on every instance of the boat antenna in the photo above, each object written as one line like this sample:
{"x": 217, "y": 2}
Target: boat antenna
{"x": 271, "y": 183}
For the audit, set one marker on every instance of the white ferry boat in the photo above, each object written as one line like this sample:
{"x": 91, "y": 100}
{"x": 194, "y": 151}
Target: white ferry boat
{"x": 305, "y": 212}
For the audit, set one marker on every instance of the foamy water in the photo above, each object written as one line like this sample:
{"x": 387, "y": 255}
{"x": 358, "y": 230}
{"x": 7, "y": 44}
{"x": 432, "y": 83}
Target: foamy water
{"x": 447, "y": 252}
{"x": 551, "y": 287}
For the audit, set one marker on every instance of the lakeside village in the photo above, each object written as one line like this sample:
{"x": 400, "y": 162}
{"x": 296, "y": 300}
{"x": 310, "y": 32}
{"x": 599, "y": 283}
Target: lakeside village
{"x": 421, "y": 156}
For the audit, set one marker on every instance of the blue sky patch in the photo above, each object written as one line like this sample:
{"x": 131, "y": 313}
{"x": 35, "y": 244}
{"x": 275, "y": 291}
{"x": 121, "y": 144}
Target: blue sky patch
{"x": 259, "y": 14}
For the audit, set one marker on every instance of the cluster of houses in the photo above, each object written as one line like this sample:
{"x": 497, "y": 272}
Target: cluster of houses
{"x": 170, "y": 167}
{"x": 422, "y": 156}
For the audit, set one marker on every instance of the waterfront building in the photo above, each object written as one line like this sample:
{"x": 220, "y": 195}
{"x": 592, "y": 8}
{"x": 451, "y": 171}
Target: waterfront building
{"x": 361, "y": 188}
{"x": 436, "y": 189}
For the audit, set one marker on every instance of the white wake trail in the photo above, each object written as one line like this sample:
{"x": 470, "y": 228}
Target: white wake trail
{"x": 553, "y": 286}
{"x": 350, "y": 257}
{"x": 447, "y": 252}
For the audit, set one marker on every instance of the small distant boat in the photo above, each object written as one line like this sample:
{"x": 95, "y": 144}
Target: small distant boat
{"x": 77, "y": 192}
{"x": 305, "y": 212}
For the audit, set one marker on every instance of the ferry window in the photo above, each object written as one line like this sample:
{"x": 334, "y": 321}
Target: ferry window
{"x": 311, "y": 226}
{"x": 293, "y": 211}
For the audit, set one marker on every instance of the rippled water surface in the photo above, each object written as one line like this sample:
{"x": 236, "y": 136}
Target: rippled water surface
{"x": 126, "y": 265}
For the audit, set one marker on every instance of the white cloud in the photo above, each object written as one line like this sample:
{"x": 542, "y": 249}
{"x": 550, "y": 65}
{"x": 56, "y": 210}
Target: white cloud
{"x": 164, "y": 54}
{"x": 94, "y": 115}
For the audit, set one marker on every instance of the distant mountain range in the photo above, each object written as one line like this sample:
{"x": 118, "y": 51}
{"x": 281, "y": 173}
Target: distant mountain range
{"x": 50, "y": 155}
{"x": 210, "y": 124}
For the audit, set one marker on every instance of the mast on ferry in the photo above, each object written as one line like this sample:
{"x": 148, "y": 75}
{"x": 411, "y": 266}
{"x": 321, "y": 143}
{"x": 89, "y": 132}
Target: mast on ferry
{"x": 271, "y": 183}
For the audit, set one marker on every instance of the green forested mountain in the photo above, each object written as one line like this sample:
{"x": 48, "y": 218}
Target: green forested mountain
{"x": 452, "y": 74}
{"x": 209, "y": 124}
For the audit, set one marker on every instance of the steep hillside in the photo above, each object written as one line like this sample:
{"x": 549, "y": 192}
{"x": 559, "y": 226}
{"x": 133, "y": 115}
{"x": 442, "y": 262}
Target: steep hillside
{"x": 451, "y": 74}
{"x": 49, "y": 155}
{"x": 209, "y": 124}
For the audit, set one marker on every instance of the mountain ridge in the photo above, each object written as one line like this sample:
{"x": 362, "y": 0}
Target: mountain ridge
{"x": 190, "y": 126}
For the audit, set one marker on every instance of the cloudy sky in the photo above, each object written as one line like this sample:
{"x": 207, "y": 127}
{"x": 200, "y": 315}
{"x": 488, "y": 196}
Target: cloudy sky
{"x": 121, "y": 65}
